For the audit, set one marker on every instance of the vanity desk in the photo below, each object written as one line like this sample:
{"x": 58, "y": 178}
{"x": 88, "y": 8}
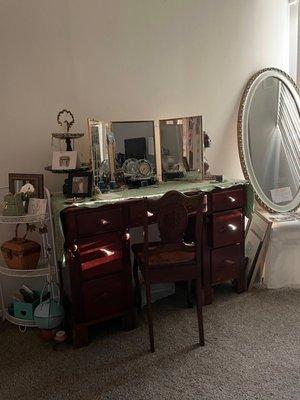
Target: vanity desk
{"x": 97, "y": 272}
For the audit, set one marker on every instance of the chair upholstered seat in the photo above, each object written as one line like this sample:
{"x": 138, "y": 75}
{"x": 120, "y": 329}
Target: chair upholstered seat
{"x": 164, "y": 256}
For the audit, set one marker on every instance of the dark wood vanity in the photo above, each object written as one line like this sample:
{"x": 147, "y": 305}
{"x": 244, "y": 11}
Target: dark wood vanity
{"x": 97, "y": 278}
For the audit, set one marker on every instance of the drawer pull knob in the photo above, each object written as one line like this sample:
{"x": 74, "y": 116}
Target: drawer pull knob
{"x": 149, "y": 214}
{"x": 232, "y": 199}
{"x": 232, "y": 227}
{"x": 228, "y": 262}
{"x": 229, "y": 227}
{"x": 72, "y": 251}
{"x": 104, "y": 221}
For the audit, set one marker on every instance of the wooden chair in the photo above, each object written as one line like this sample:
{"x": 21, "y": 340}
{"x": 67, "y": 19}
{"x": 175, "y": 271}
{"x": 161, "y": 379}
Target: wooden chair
{"x": 171, "y": 259}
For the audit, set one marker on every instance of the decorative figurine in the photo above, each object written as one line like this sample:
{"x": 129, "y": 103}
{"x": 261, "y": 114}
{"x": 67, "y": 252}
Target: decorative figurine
{"x": 66, "y": 119}
{"x": 27, "y": 192}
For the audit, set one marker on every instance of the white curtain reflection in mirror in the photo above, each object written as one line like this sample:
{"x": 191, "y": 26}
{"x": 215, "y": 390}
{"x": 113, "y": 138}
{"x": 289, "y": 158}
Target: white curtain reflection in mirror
{"x": 274, "y": 140}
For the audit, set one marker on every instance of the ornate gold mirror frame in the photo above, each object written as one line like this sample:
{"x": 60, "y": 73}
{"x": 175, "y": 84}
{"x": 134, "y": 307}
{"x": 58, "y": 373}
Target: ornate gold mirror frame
{"x": 243, "y": 141}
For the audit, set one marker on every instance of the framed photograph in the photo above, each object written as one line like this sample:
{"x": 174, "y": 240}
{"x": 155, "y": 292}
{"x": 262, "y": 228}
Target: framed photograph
{"x": 256, "y": 245}
{"x": 37, "y": 206}
{"x": 80, "y": 184}
{"x": 65, "y": 160}
{"x": 32, "y": 184}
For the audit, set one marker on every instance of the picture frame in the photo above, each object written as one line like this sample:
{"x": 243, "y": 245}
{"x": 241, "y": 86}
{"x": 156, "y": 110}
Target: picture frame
{"x": 80, "y": 184}
{"x": 256, "y": 245}
{"x": 37, "y": 206}
{"x": 17, "y": 182}
{"x": 65, "y": 160}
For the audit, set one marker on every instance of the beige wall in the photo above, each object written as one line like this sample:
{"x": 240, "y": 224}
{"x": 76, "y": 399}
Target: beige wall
{"x": 298, "y": 58}
{"x": 293, "y": 38}
{"x": 129, "y": 59}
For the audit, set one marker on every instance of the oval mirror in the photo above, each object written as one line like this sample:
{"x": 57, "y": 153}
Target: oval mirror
{"x": 269, "y": 139}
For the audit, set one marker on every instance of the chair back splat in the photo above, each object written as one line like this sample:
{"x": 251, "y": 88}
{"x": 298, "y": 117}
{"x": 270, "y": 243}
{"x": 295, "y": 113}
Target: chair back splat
{"x": 172, "y": 214}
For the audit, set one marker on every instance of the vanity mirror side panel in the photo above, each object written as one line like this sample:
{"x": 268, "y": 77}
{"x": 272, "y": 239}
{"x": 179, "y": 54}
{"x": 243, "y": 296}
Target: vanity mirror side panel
{"x": 181, "y": 148}
{"x": 97, "y": 132}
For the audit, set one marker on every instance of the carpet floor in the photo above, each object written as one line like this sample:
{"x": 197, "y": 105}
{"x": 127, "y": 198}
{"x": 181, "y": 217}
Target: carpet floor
{"x": 251, "y": 352}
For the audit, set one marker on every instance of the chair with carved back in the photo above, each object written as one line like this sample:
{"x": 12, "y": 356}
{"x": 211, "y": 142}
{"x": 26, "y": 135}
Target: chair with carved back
{"x": 171, "y": 259}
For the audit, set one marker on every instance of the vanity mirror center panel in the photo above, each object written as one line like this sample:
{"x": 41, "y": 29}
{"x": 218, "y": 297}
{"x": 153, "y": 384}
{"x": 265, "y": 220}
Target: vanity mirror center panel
{"x": 135, "y": 152}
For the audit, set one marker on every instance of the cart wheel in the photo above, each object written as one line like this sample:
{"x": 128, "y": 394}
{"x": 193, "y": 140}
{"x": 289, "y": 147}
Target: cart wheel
{"x": 22, "y": 329}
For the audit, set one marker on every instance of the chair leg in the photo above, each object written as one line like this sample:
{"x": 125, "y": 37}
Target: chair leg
{"x": 149, "y": 315}
{"x": 199, "y": 311}
{"x": 189, "y": 294}
{"x": 137, "y": 288}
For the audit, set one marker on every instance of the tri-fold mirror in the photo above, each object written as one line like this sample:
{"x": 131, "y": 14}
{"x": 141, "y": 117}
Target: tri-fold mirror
{"x": 146, "y": 151}
{"x": 269, "y": 139}
{"x": 181, "y": 143}
{"x": 98, "y": 131}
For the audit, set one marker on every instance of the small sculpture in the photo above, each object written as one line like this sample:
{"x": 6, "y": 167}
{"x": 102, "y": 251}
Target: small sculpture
{"x": 66, "y": 119}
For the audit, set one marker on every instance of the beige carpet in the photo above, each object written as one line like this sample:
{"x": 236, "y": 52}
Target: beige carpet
{"x": 251, "y": 352}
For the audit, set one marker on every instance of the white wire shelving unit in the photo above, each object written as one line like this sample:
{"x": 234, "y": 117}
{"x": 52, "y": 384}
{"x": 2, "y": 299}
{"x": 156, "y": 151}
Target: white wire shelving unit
{"x": 47, "y": 266}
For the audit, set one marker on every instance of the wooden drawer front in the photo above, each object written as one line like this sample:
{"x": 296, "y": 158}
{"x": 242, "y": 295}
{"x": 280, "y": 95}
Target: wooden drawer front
{"x": 226, "y": 263}
{"x": 227, "y": 228}
{"x": 102, "y": 256}
{"x": 227, "y": 200}
{"x": 95, "y": 222}
{"x": 105, "y": 296}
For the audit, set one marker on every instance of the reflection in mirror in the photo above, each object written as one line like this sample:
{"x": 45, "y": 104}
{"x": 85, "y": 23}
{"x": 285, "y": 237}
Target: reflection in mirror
{"x": 274, "y": 140}
{"x": 269, "y": 139}
{"x": 134, "y": 139}
{"x": 181, "y": 147}
{"x": 98, "y": 149}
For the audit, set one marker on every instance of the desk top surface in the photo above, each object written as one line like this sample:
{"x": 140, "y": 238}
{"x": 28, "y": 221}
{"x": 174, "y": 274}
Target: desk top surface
{"x": 113, "y": 197}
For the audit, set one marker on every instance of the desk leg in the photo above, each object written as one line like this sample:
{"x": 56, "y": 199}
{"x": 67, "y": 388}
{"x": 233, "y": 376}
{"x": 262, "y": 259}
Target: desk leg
{"x": 80, "y": 335}
{"x": 208, "y": 293}
{"x": 240, "y": 281}
{"x": 129, "y": 320}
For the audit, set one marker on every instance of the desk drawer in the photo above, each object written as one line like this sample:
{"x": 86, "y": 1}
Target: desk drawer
{"x": 227, "y": 228}
{"x": 103, "y": 256}
{"x": 98, "y": 221}
{"x": 105, "y": 296}
{"x": 226, "y": 263}
{"x": 227, "y": 200}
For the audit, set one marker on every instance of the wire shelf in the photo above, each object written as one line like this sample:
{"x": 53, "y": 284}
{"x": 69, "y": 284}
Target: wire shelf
{"x": 19, "y": 321}
{"x": 42, "y": 270}
{"x": 23, "y": 219}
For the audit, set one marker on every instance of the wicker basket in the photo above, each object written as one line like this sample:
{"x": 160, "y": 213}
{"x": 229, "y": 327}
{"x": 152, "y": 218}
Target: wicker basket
{"x": 20, "y": 253}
